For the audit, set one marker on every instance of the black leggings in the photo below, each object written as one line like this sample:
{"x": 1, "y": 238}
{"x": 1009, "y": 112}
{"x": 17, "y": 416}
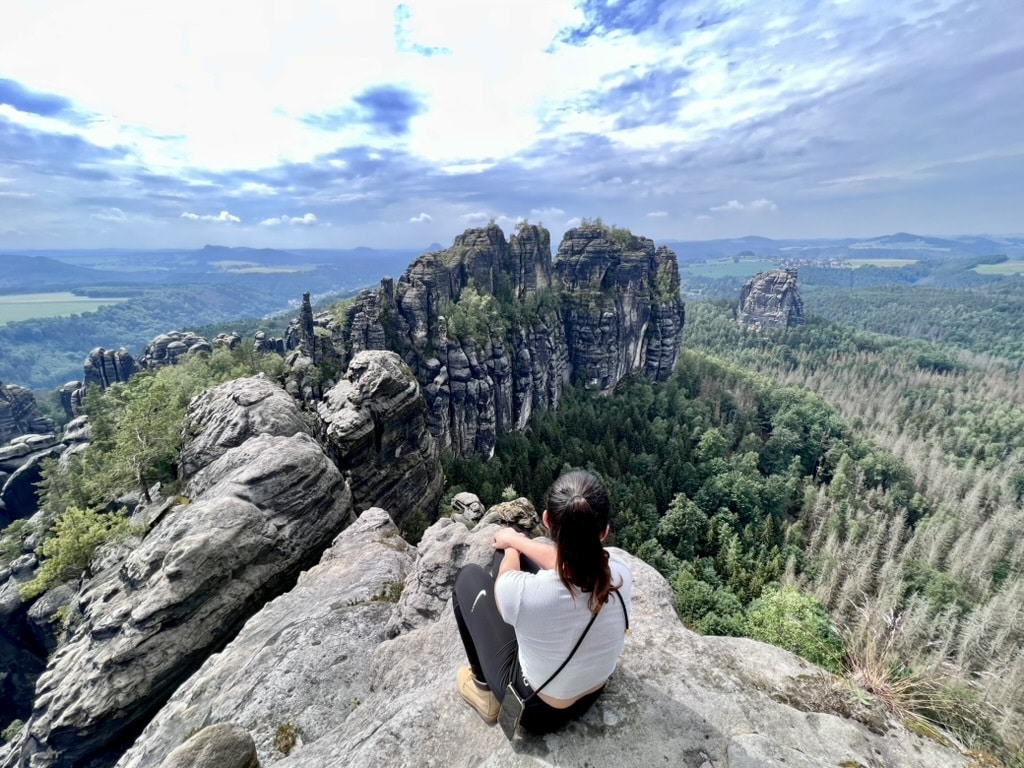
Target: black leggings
{"x": 493, "y": 650}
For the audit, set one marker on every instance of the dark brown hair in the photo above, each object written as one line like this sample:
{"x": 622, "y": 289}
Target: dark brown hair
{"x": 578, "y": 510}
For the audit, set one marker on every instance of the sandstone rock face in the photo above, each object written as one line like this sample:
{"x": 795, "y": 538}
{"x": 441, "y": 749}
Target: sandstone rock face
{"x": 19, "y": 413}
{"x": 373, "y": 424}
{"x": 227, "y": 416}
{"x": 601, "y": 310}
{"x": 676, "y": 699}
{"x": 168, "y": 347}
{"x": 104, "y": 367}
{"x": 771, "y": 300}
{"x": 303, "y": 660}
{"x": 217, "y": 746}
{"x": 263, "y": 507}
{"x": 71, "y": 398}
{"x": 621, "y": 303}
{"x": 21, "y": 658}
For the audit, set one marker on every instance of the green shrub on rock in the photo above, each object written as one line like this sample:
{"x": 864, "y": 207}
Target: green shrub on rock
{"x": 797, "y": 622}
{"x": 76, "y": 536}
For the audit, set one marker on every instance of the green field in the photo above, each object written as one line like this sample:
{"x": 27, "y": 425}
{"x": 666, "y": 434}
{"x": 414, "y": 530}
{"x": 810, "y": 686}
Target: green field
{"x": 729, "y": 268}
{"x": 32, "y": 306}
{"x": 881, "y": 262}
{"x": 1005, "y": 268}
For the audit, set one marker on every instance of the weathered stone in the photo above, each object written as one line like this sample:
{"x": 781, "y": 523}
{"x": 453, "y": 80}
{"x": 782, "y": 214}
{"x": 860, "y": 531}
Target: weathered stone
{"x": 45, "y": 615}
{"x": 18, "y": 492}
{"x": 21, "y": 659}
{"x": 517, "y": 513}
{"x": 302, "y": 661}
{"x": 19, "y": 413}
{"x": 676, "y": 698}
{"x": 619, "y": 312}
{"x": 771, "y": 300}
{"x": 467, "y": 507}
{"x": 71, "y": 398}
{"x": 261, "y": 511}
{"x": 373, "y": 425}
{"x": 225, "y": 417}
{"x": 217, "y": 746}
{"x": 104, "y": 367}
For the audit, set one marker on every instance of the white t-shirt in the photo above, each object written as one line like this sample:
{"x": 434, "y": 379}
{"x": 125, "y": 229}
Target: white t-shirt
{"x": 548, "y": 622}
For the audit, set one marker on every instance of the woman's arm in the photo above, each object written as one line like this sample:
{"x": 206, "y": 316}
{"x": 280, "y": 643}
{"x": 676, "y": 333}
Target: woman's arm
{"x": 541, "y": 552}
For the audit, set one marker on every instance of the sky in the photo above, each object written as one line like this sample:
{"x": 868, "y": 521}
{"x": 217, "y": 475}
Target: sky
{"x": 315, "y": 123}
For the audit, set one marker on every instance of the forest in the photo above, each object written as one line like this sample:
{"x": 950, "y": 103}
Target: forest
{"x": 848, "y": 490}
{"x": 867, "y": 486}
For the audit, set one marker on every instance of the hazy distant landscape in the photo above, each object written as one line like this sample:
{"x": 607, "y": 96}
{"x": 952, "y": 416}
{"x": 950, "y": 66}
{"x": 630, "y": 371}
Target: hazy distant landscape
{"x": 115, "y": 298}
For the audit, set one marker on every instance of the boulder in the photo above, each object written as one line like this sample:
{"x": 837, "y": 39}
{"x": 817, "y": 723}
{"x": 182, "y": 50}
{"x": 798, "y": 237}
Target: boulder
{"x": 771, "y": 300}
{"x": 225, "y": 417}
{"x": 677, "y": 698}
{"x": 373, "y": 424}
{"x": 260, "y": 511}
{"x": 216, "y": 746}
{"x": 19, "y": 413}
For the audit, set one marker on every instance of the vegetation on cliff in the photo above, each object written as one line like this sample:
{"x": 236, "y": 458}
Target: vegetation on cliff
{"x": 891, "y": 496}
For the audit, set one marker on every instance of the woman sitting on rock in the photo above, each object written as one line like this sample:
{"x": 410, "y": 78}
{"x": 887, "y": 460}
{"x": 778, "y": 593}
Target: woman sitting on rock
{"x": 552, "y": 621}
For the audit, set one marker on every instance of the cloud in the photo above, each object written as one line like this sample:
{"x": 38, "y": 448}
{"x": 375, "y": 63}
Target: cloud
{"x": 657, "y": 214}
{"x": 306, "y": 220}
{"x": 403, "y": 43}
{"x": 421, "y": 218}
{"x": 476, "y": 217}
{"x": 732, "y": 206}
{"x": 389, "y": 108}
{"x": 111, "y": 214}
{"x": 223, "y": 217}
{"x": 22, "y": 99}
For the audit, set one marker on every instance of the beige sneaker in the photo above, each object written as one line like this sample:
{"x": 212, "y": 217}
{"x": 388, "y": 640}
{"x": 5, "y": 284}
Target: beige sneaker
{"x": 480, "y": 699}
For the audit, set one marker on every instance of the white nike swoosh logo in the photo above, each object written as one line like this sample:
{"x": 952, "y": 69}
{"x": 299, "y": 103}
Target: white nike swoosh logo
{"x": 483, "y": 593}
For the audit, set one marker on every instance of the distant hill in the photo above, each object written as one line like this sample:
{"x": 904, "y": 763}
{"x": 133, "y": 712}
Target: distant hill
{"x": 900, "y": 245}
{"x": 21, "y": 274}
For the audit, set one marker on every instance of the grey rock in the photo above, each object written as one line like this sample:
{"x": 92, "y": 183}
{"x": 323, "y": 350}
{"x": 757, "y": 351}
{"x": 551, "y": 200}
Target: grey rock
{"x": 260, "y": 512}
{"x": 19, "y": 413}
{"x": 611, "y": 311}
{"x": 302, "y": 661}
{"x": 677, "y": 698}
{"x": 771, "y": 300}
{"x": 467, "y": 507}
{"x": 18, "y": 492}
{"x": 373, "y": 424}
{"x": 44, "y": 617}
{"x": 217, "y": 746}
{"x": 71, "y": 398}
{"x": 106, "y": 367}
{"x": 224, "y": 417}
{"x": 517, "y": 513}
{"x": 166, "y": 348}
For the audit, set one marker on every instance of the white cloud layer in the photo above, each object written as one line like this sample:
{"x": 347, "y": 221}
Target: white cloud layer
{"x": 836, "y": 117}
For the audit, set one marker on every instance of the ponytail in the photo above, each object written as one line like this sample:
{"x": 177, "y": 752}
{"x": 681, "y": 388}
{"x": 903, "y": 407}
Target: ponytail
{"x": 578, "y": 510}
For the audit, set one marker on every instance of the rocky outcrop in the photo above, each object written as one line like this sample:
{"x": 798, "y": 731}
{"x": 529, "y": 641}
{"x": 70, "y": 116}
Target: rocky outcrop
{"x": 106, "y": 367}
{"x": 264, "y": 506}
{"x": 217, "y": 746}
{"x": 373, "y": 424}
{"x": 21, "y": 658}
{"x": 622, "y": 309}
{"x": 21, "y": 465}
{"x": 71, "y": 398}
{"x": 606, "y": 307}
{"x": 168, "y": 347}
{"x": 19, "y": 413}
{"x": 771, "y": 300}
{"x": 318, "y": 661}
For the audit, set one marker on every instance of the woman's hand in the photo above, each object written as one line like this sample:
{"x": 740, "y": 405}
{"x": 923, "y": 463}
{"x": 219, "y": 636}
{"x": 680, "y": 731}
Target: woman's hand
{"x": 508, "y": 538}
